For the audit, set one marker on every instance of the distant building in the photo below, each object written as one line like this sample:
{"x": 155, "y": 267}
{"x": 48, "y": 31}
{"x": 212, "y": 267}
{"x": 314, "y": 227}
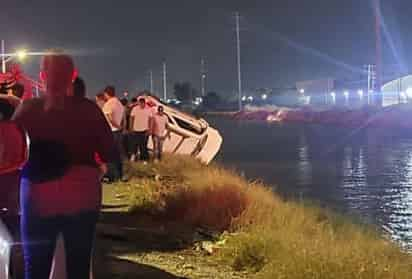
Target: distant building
{"x": 397, "y": 91}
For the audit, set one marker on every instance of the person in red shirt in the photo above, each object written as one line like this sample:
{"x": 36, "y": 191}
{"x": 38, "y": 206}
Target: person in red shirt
{"x": 60, "y": 186}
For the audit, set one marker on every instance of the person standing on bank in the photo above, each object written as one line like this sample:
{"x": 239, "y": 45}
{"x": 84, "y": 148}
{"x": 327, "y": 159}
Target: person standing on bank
{"x": 140, "y": 123}
{"x": 79, "y": 93}
{"x": 114, "y": 112}
{"x": 60, "y": 189}
{"x": 79, "y": 88}
{"x": 100, "y": 100}
{"x": 159, "y": 132}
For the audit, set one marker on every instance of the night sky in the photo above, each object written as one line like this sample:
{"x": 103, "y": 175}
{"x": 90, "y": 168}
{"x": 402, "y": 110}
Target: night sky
{"x": 117, "y": 42}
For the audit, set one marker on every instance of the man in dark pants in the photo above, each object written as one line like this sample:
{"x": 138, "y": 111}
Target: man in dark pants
{"x": 114, "y": 112}
{"x": 140, "y": 122}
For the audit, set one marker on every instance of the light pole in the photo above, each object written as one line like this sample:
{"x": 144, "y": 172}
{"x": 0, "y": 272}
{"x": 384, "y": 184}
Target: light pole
{"x": 151, "y": 81}
{"x": 202, "y": 77}
{"x": 378, "y": 49}
{"x": 164, "y": 81}
{"x": 3, "y": 57}
{"x": 239, "y": 74}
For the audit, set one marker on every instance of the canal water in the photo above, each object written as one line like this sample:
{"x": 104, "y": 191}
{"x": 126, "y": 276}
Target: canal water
{"x": 366, "y": 173}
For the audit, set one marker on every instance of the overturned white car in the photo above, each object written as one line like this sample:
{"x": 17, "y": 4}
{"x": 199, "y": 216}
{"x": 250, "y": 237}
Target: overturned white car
{"x": 189, "y": 135}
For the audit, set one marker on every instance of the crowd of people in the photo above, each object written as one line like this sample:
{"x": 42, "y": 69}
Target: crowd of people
{"x": 75, "y": 143}
{"x": 132, "y": 123}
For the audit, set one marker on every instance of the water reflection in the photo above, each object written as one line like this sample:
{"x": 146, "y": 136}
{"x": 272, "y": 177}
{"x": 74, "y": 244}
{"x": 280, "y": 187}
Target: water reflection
{"x": 398, "y": 203}
{"x": 367, "y": 173}
{"x": 304, "y": 164}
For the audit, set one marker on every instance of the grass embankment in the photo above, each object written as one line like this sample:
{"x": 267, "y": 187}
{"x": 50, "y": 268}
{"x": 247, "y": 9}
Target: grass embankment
{"x": 260, "y": 232}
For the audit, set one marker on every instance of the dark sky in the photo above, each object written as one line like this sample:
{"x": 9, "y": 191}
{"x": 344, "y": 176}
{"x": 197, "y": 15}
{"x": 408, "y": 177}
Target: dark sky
{"x": 282, "y": 41}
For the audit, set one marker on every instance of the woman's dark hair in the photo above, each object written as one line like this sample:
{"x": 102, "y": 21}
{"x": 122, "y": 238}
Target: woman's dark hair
{"x": 79, "y": 88}
{"x": 124, "y": 101}
{"x": 110, "y": 90}
{"x": 100, "y": 96}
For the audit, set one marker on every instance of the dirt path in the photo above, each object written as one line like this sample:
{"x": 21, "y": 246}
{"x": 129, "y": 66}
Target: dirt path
{"x": 129, "y": 247}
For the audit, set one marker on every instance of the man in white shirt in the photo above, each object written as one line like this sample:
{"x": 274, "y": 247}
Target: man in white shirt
{"x": 114, "y": 112}
{"x": 140, "y": 124}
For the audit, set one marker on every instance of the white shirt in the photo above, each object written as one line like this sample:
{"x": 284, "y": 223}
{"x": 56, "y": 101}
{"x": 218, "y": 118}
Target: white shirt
{"x": 141, "y": 118}
{"x": 115, "y": 109}
{"x": 159, "y": 124}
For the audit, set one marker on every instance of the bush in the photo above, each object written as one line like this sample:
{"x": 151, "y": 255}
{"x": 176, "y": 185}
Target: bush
{"x": 184, "y": 190}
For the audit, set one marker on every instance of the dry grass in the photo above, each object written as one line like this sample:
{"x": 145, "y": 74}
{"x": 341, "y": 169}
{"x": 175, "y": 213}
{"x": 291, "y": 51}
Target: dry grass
{"x": 269, "y": 236}
{"x": 182, "y": 189}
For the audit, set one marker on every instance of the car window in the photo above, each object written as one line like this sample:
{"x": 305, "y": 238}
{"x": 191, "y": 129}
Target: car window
{"x": 186, "y": 125}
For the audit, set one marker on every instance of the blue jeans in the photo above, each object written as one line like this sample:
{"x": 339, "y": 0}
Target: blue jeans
{"x": 158, "y": 147}
{"x": 39, "y": 236}
{"x": 116, "y": 165}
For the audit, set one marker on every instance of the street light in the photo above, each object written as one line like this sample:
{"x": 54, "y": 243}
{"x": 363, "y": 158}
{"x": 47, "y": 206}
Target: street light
{"x": 21, "y": 54}
{"x": 6, "y": 57}
{"x": 346, "y": 94}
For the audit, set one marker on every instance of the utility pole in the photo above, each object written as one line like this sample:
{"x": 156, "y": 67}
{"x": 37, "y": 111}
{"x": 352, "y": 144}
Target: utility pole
{"x": 151, "y": 81}
{"x": 3, "y": 57}
{"x": 164, "y": 81}
{"x": 202, "y": 77}
{"x": 369, "y": 77}
{"x": 372, "y": 85}
{"x": 378, "y": 69}
{"x": 239, "y": 74}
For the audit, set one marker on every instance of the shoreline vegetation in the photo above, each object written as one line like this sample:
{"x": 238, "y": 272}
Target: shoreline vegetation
{"x": 394, "y": 116}
{"x": 209, "y": 216}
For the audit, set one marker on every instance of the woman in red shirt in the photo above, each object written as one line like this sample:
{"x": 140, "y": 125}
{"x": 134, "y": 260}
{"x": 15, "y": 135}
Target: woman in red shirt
{"x": 60, "y": 186}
